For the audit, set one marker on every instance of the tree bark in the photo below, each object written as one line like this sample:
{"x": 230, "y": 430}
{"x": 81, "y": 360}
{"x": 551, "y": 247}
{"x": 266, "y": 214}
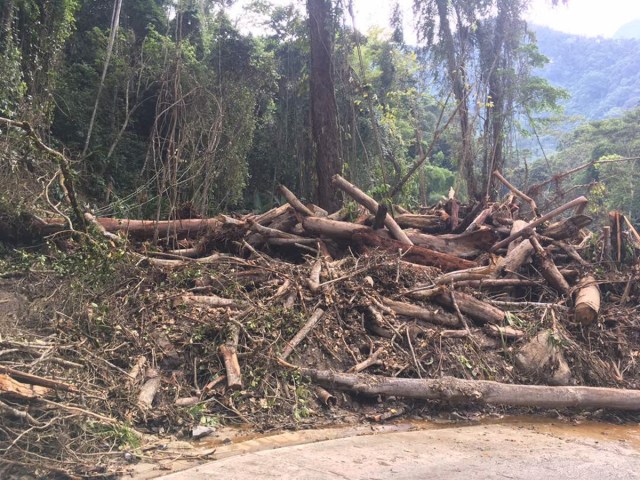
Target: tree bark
{"x": 324, "y": 111}
{"x": 414, "y": 254}
{"x": 464, "y": 245}
{"x": 554, "y": 213}
{"x": 480, "y": 392}
{"x": 371, "y": 205}
{"x": 587, "y": 301}
{"x": 414, "y": 311}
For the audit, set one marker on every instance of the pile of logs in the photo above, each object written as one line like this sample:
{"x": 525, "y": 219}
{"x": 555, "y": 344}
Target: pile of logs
{"x": 467, "y": 253}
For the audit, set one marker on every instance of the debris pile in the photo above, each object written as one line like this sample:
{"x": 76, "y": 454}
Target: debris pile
{"x": 294, "y": 318}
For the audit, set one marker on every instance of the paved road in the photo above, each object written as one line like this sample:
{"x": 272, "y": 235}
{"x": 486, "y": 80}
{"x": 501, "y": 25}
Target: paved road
{"x": 481, "y": 451}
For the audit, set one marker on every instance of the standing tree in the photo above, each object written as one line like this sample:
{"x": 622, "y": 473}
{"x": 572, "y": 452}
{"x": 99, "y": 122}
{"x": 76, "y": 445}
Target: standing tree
{"x": 324, "y": 112}
{"x": 488, "y": 56}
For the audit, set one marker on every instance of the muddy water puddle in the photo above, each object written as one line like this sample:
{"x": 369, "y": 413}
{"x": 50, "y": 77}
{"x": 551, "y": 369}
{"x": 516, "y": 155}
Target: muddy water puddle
{"x": 245, "y": 442}
{"x": 228, "y": 442}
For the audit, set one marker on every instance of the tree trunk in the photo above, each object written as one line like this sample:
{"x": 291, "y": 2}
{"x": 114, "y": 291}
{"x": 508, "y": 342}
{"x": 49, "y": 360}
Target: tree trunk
{"x": 456, "y": 71}
{"x": 324, "y": 112}
{"x": 480, "y": 392}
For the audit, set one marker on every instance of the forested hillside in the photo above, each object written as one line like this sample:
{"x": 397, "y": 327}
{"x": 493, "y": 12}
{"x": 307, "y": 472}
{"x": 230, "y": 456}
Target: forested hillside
{"x": 601, "y": 75}
{"x": 167, "y": 108}
{"x": 203, "y": 227}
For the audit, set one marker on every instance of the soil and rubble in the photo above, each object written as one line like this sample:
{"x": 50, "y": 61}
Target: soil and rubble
{"x": 116, "y": 341}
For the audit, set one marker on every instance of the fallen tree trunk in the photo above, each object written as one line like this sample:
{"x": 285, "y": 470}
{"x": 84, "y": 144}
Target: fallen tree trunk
{"x": 371, "y": 205}
{"x": 548, "y": 268}
{"x": 567, "y": 228}
{"x": 481, "y": 312}
{"x": 427, "y": 223}
{"x": 578, "y": 202}
{"x": 332, "y": 228}
{"x": 415, "y": 254}
{"x": 483, "y": 392}
{"x": 464, "y": 245}
{"x": 141, "y": 229}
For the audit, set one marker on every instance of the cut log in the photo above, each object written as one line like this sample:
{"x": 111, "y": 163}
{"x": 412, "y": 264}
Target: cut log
{"x": 464, "y": 245}
{"x": 211, "y": 301}
{"x": 228, "y": 352}
{"x": 371, "y": 205}
{"x": 413, "y": 311}
{"x": 426, "y": 223}
{"x": 517, "y": 257}
{"x": 302, "y": 334}
{"x": 268, "y": 232}
{"x": 481, "y": 312}
{"x": 587, "y": 302}
{"x": 149, "y": 389}
{"x": 314, "y": 277}
{"x": 332, "y": 228}
{"x": 453, "y": 209}
{"x": 325, "y": 398}
{"x": 508, "y": 333}
{"x": 482, "y": 392}
{"x": 297, "y": 205}
{"x": 616, "y": 235}
{"x": 496, "y": 283}
{"x": 415, "y": 254}
{"x": 137, "y": 368}
{"x": 552, "y": 214}
{"x": 381, "y": 216}
{"x": 548, "y": 268}
{"x": 475, "y": 273}
{"x": 271, "y": 215}
{"x": 215, "y": 258}
{"x": 449, "y": 249}
{"x": 567, "y": 228}
{"x": 480, "y": 219}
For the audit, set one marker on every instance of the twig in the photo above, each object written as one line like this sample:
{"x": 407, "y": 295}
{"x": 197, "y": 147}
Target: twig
{"x": 518, "y": 193}
{"x": 14, "y": 412}
{"x": 413, "y": 353}
{"x": 36, "y": 380}
{"x": 372, "y": 360}
{"x": 304, "y": 331}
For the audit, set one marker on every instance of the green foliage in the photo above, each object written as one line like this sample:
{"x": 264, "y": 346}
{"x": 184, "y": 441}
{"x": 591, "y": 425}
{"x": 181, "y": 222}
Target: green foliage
{"x": 12, "y": 86}
{"x": 612, "y": 184}
{"x": 121, "y": 435}
{"x": 601, "y": 74}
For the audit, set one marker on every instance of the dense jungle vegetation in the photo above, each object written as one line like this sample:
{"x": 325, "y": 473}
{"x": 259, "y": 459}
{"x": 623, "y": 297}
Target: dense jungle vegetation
{"x": 165, "y": 108}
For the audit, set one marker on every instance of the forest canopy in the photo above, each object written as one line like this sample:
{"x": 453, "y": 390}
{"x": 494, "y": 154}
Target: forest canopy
{"x": 167, "y": 108}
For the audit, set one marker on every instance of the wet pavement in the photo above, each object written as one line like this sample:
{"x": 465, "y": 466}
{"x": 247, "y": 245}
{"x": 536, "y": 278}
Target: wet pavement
{"x": 511, "y": 450}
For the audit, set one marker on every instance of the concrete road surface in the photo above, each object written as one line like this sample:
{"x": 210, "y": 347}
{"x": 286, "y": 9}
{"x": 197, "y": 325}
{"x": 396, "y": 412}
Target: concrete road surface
{"x": 470, "y": 452}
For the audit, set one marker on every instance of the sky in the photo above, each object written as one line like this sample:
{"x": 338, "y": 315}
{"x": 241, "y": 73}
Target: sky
{"x": 580, "y": 17}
